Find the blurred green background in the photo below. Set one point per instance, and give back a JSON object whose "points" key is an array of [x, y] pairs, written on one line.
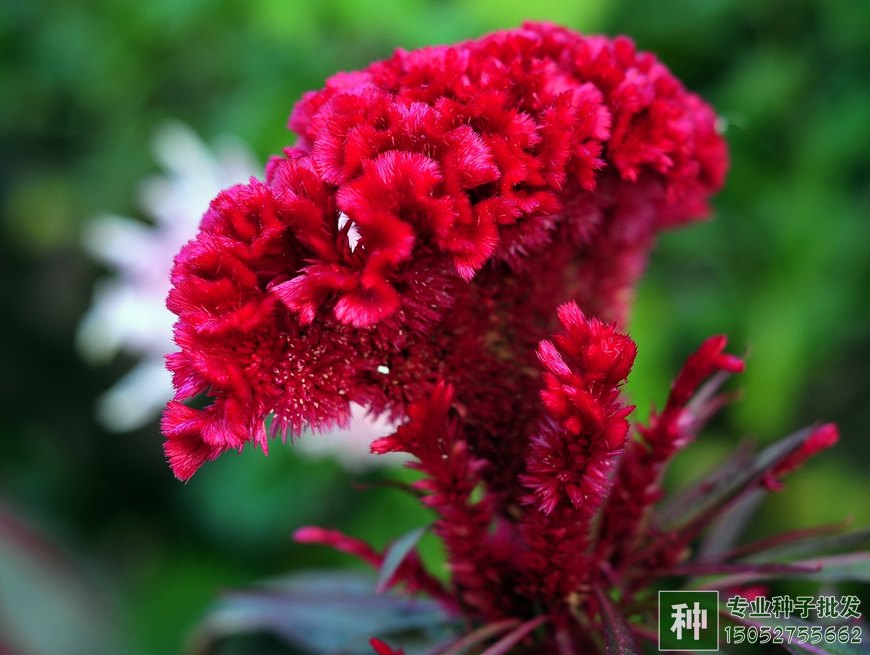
{"points": [[783, 269]]}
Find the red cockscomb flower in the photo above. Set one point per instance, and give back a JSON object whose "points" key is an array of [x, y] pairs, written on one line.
{"points": [[436, 209], [453, 242]]}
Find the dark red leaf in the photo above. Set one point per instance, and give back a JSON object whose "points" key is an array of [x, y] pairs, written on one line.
{"points": [[618, 639]]}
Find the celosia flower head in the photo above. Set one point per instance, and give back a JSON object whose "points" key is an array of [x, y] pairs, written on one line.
{"points": [[452, 244], [437, 208]]}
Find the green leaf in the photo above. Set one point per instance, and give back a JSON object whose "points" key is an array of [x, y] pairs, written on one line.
{"points": [[618, 639], [332, 612], [396, 554]]}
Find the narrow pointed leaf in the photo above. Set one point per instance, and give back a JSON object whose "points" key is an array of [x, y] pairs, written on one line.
{"points": [[671, 509], [750, 568], [723, 490], [766, 545], [818, 546], [396, 554], [479, 636], [851, 567], [507, 642], [618, 639], [725, 532], [705, 403]]}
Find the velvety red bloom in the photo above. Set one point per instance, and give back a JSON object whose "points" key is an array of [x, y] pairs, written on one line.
{"points": [[437, 208], [453, 242]]}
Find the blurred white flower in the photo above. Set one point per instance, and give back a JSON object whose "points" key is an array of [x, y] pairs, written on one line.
{"points": [[350, 446], [129, 311]]}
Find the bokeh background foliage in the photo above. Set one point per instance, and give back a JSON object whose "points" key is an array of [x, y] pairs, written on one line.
{"points": [[783, 269]]}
